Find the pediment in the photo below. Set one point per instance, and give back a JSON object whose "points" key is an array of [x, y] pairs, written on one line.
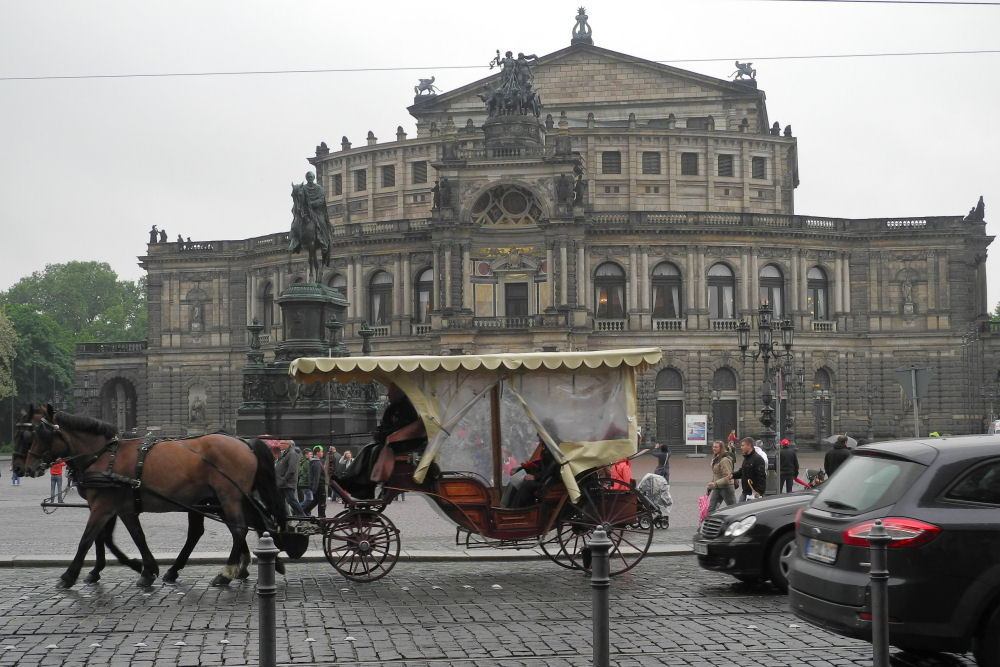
{"points": [[582, 79]]}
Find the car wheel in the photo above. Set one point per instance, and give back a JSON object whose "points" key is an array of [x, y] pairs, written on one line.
{"points": [[986, 648], [777, 560]]}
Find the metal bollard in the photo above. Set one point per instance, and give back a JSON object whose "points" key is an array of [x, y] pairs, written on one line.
{"points": [[878, 539], [266, 554], [600, 582]]}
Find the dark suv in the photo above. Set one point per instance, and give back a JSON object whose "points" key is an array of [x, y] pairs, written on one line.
{"points": [[939, 499]]}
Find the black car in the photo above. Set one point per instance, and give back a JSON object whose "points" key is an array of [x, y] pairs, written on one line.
{"points": [[939, 499], [751, 541]]}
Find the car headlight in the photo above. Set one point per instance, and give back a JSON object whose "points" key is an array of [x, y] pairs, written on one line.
{"points": [[737, 528]]}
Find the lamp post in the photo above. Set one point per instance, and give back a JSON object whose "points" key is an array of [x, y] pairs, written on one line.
{"points": [[870, 392], [767, 350]]}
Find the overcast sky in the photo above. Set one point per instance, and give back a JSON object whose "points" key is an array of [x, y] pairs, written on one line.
{"points": [[88, 164]]}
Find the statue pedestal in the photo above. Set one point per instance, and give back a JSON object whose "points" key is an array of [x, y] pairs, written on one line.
{"points": [[513, 132]]}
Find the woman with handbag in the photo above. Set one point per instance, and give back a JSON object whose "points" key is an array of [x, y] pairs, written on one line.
{"points": [[720, 489]]}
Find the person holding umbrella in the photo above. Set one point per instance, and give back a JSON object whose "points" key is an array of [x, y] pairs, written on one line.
{"points": [[836, 456]]}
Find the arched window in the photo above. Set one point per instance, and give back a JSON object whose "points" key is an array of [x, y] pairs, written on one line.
{"points": [[267, 308], [724, 379], [609, 292], [666, 291], [721, 293], [380, 299], [338, 282], [423, 301], [816, 299], [772, 289], [669, 379]]}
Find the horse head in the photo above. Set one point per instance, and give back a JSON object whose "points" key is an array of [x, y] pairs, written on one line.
{"points": [[31, 455]]}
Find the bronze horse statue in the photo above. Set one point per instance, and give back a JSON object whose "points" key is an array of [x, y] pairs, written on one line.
{"points": [[122, 478], [310, 225]]}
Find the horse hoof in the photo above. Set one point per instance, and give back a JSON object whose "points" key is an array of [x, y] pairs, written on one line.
{"points": [[66, 582], [220, 580], [243, 575], [170, 577], [92, 578]]}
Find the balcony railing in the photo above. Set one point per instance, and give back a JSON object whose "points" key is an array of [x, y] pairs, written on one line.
{"points": [[381, 331], [824, 326], [421, 329], [543, 320], [120, 347], [610, 325], [724, 325], [669, 324]]}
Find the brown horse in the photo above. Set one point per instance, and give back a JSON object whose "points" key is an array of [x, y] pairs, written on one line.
{"points": [[124, 478]]}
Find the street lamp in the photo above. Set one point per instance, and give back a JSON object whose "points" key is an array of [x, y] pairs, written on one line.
{"points": [[767, 350]]}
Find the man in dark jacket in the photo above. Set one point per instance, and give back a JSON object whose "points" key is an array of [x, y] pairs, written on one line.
{"points": [[286, 471], [317, 482], [753, 472], [836, 456], [789, 465]]}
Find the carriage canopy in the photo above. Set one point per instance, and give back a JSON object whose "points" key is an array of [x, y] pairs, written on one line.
{"points": [[479, 410]]}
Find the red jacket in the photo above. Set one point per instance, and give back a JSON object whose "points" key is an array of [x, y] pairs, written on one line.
{"points": [[56, 469]]}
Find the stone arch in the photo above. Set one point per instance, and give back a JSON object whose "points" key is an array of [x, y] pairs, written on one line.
{"points": [[118, 402], [508, 204]]}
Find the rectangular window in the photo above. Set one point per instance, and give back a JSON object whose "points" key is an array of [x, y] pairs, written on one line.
{"points": [[725, 165], [611, 162], [758, 167], [337, 184], [419, 172], [650, 162], [360, 180], [516, 299], [699, 123], [689, 164], [612, 189], [389, 176]]}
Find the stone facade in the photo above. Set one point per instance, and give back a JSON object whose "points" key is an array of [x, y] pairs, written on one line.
{"points": [[646, 206]]}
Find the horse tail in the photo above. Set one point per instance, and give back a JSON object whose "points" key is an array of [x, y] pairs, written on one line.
{"points": [[266, 485]]}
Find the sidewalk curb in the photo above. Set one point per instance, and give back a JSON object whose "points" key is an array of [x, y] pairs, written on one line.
{"points": [[315, 556]]}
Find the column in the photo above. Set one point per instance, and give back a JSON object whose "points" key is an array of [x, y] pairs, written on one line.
{"points": [[407, 288], [437, 273], [796, 281], [693, 280], [645, 280], [754, 281], [932, 282], [399, 280], [352, 305], [563, 275], [251, 297], [581, 287], [745, 271], [467, 277], [447, 276], [847, 283], [838, 292], [550, 279], [633, 280], [702, 289]]}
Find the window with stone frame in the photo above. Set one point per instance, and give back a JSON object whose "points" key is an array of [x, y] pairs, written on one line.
{"points": [[758, 167], [423, 299], [380, 299], [721, 292], [360, 180], [389, 176], [611, 162], [418, 172], [772, 289], [337, 184], [650, 162], [726, 164], [666, 296], [609, 291], [817, 291], [689, 164]]}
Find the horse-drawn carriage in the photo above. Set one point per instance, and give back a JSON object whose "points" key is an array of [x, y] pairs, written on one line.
{"points": [[475, 416]]}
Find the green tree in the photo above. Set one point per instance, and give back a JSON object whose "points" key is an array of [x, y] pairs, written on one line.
{"points": [[43, 365], [995, 315], [8, 344], [85, 299]]}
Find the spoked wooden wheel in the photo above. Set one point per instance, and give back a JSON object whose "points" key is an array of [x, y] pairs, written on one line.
{"points": [[362, 545], [625, 515], [565, 544]]}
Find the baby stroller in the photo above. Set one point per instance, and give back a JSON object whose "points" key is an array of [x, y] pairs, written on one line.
{"points": [[657, 491]]}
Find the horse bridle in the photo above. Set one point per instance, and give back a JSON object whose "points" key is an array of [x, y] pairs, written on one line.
{"points": [[47, 457]]}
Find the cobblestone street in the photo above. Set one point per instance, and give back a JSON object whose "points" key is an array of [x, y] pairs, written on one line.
{"points": [[458, 614]]}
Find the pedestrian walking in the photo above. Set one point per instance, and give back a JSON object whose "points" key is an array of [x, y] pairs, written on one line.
{"points": [[720, 488], [302, 483], [317, 483], [14, 479], [789, 466], [286, 472], [752, 472], [836, 456], [56, 481], [662, 454]]}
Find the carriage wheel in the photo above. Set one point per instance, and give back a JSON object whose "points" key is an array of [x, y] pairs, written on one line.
{"points": [[361, 544], [625, 515], [565, 545]]}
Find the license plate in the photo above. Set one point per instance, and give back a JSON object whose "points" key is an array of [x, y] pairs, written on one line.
{"points": [[701, 548], [824, 552]]}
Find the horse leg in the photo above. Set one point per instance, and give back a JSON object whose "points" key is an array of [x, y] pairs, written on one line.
{"points": [[239, 555], [95, 523], [150, 569], [196, 528], [95, 575]]}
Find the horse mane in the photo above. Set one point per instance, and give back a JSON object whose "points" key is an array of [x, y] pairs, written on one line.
{"points": [[86, 424]]}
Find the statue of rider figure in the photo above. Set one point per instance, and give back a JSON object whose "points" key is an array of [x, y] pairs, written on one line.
{"points": [[315, 200]]}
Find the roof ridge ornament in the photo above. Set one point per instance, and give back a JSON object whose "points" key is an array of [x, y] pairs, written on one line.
{"points": [[581, 31]]}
